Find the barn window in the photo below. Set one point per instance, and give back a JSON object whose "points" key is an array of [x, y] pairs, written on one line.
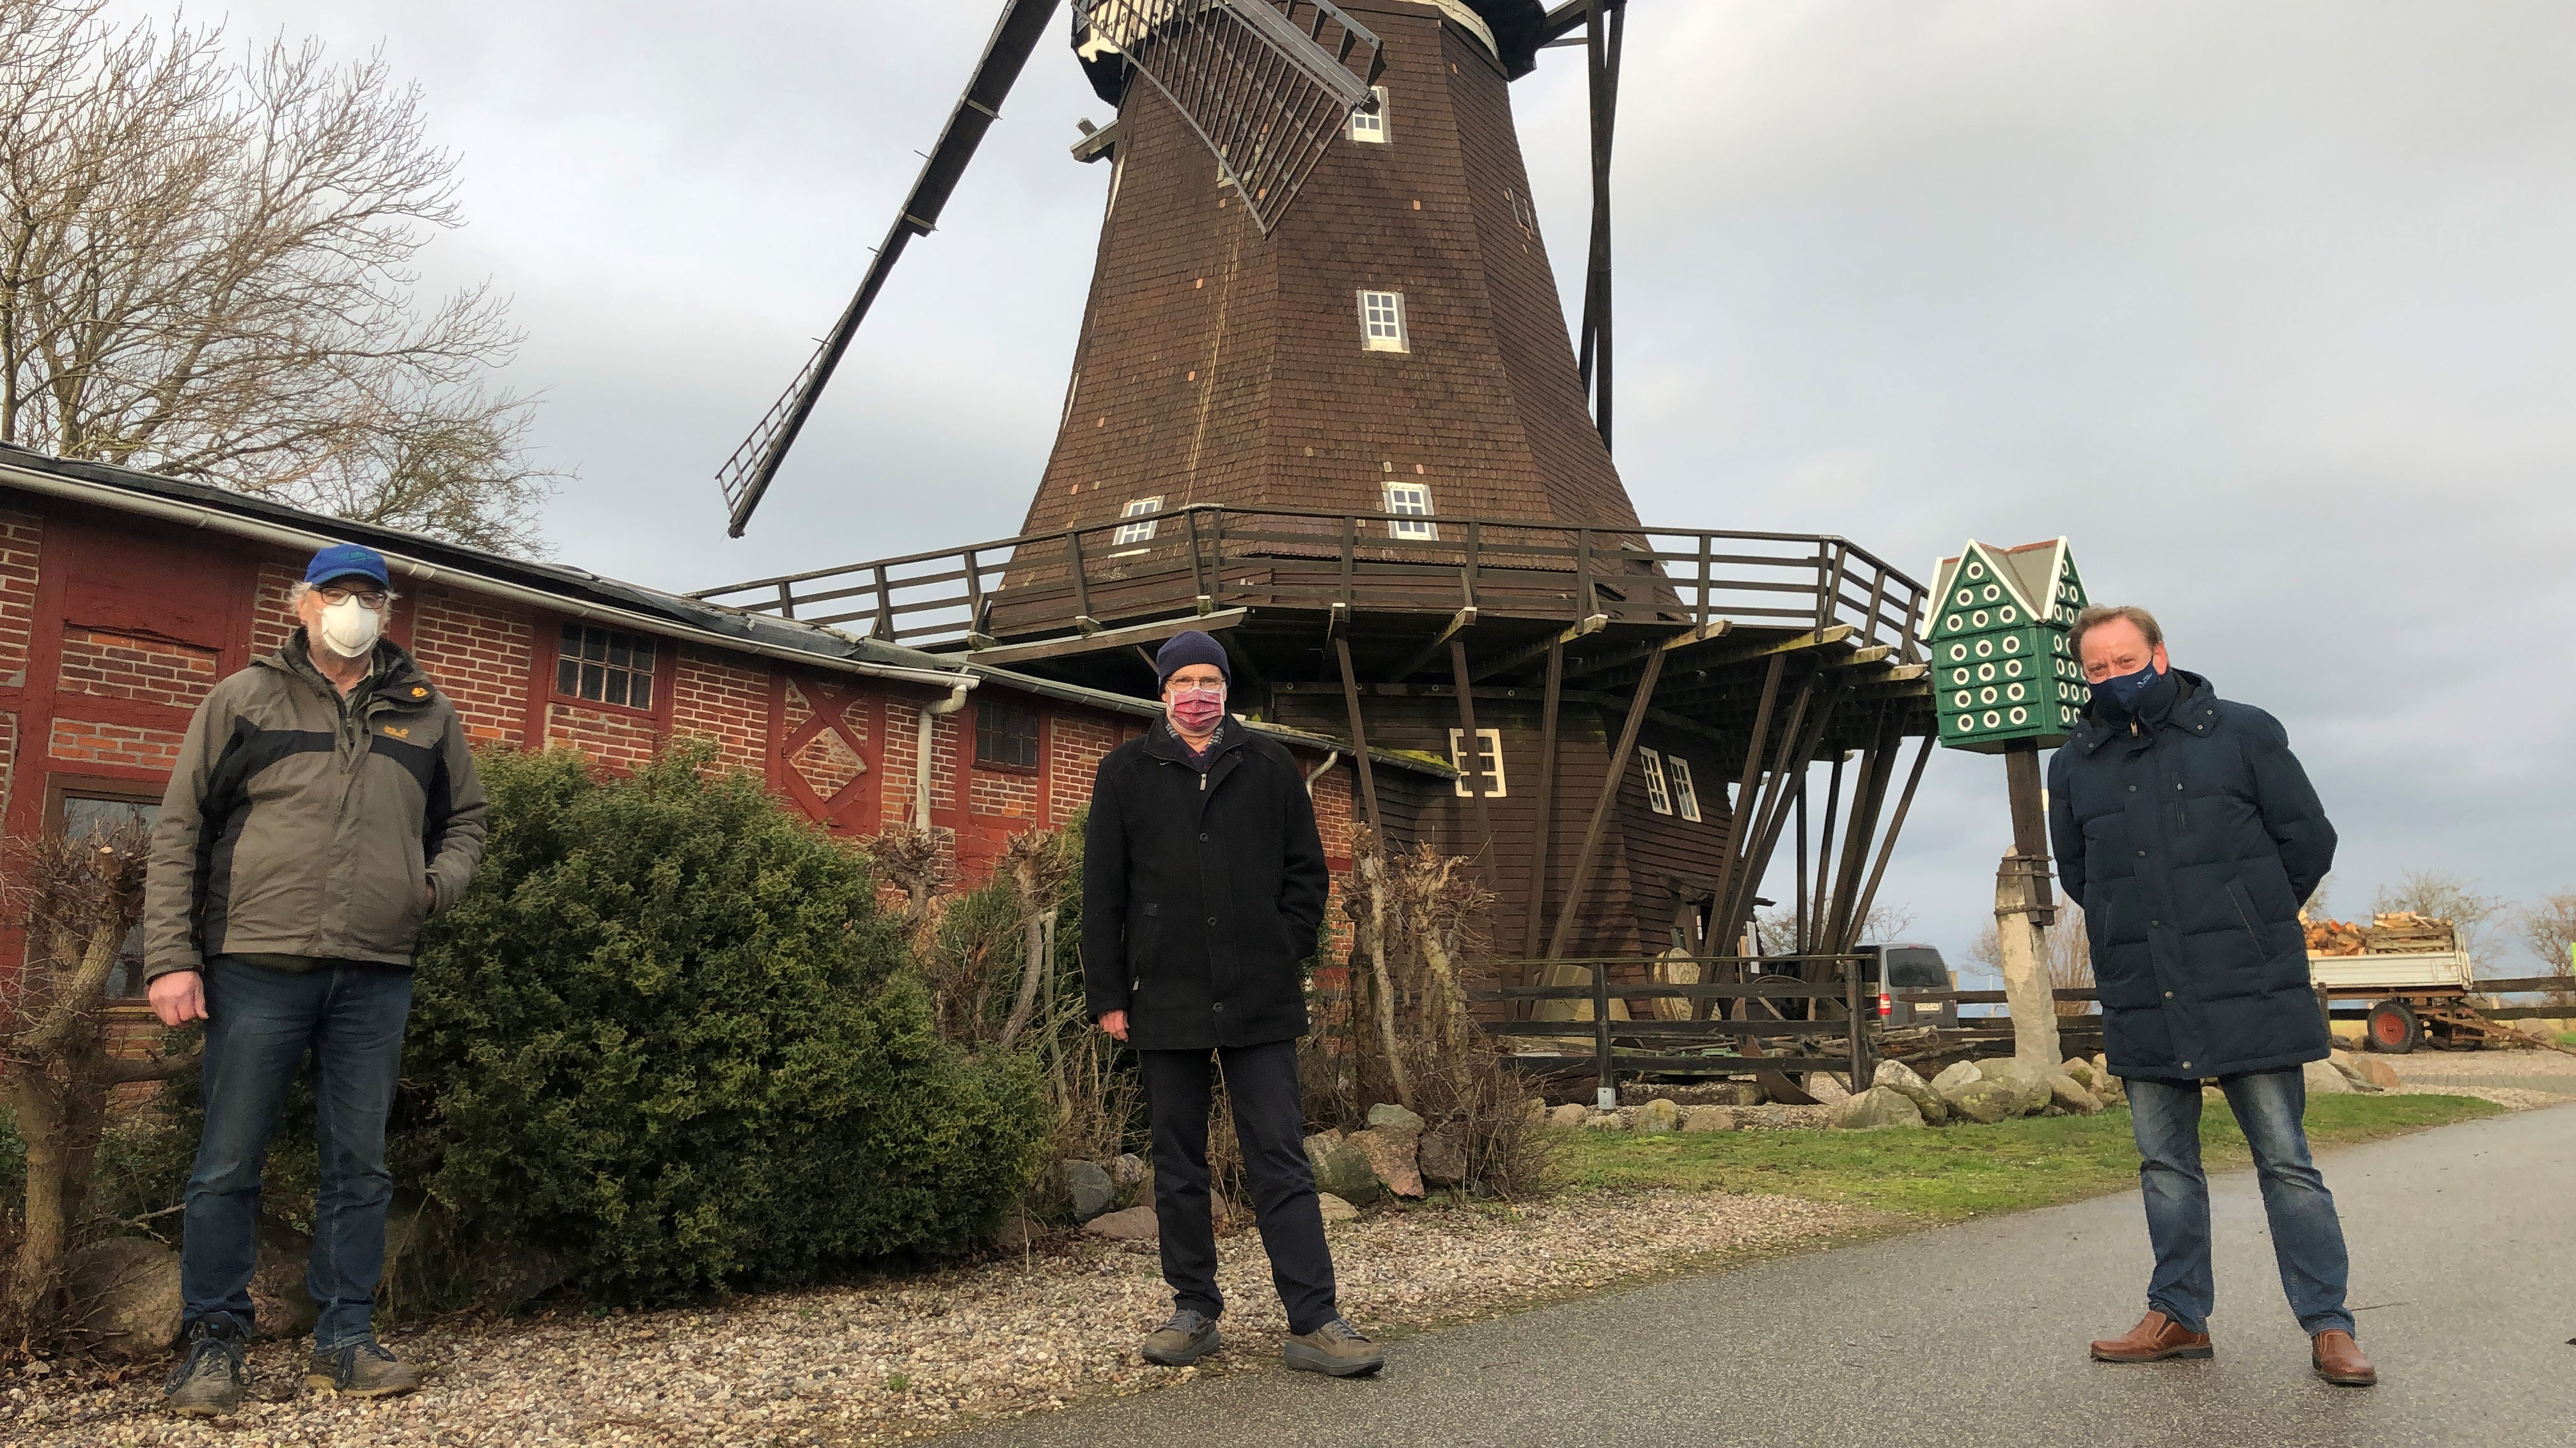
{"points": [[1685, 798], [1659, 798], [1489, 761], [1134, 533], [1371, 125], [605, 667], [1006, 735], [84, 811], [1382, 322], [1413, 502]]}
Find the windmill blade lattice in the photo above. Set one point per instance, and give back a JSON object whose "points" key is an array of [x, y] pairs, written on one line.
{"points": [[1266, 84]]}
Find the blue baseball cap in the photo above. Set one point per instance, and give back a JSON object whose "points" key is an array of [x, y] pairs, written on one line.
{"points": [[346, 560]]}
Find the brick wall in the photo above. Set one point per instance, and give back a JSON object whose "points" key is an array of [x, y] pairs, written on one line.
{"points": [[271, 620], [727, 701], [22, 535], [125, 666], [1007, 794], [1076, 744], [615, 739], [479, 654], [8, 758], [127, 746], [826, 761]]}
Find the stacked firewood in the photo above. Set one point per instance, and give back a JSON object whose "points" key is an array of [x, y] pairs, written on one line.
{"points": [[2407, 933], [2332, 937]]}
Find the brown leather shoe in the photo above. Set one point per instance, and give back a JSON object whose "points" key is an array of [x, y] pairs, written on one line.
{"points": [[2338, 1359], [2155, 1338]]}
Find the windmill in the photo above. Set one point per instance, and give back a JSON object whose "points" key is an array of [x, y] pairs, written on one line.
{"points": [[1324, 406]]}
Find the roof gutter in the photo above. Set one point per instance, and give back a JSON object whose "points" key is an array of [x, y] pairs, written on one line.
{"points": [[193, 516]]}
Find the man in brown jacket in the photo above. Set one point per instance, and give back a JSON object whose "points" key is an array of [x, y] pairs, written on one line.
{"points": [[324, 807]]}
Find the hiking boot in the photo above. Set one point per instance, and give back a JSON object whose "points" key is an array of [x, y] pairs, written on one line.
{"points": [[211, 1376], [361, 1369], [1335, 1349], [1189, 1336], [2155, 1338], [2338, 1359]]}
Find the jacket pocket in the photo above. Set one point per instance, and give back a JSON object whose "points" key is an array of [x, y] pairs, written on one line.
{"points": [[2244, 912]]}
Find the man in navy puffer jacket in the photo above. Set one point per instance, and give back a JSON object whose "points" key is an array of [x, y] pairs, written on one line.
{"points": [[2191, 837]]}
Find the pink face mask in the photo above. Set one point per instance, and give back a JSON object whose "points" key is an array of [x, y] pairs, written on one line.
{"points": [[1196, 708]]}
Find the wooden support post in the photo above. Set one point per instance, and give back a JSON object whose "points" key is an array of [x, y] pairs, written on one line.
{"points": [[1542, 831], [1824, 849], [1743, 802], [1607, 1093], [1887, 843], [1472, 752], [1359, 736], [2022, 909], [1582, 877], [1801, 833]]}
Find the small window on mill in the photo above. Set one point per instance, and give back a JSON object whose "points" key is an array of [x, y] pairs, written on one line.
{"points": [[1685, 798], [1006, 735], [605, 667], [1370, 126], [1382, 322], [1132, 534], [1413, 501], [1659, 797]]}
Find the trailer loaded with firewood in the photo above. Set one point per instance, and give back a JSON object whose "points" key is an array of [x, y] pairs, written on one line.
{"points": [[2409, 980]]}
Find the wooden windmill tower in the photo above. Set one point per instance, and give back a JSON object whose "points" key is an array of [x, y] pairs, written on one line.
{"points": [[1323, 405]]}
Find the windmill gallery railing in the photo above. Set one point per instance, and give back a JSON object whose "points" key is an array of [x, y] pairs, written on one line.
{"points": [[1207, 558], [1727, 1018]]}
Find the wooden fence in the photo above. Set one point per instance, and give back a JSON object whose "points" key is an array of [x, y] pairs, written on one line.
{"points": [[1724, 1043]]}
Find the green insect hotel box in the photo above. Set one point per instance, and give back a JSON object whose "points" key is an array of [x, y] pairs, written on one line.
{"points": [[1996, 635]]}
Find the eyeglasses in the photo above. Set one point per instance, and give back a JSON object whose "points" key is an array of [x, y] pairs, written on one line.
{"points": [[1209, 689], [370, 599]]}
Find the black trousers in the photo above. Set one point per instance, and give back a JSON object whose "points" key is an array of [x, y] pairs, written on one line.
{"points": [[1270, 1124]]}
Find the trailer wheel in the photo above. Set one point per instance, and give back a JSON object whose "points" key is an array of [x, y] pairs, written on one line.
{"points": [[2393, 1028]]}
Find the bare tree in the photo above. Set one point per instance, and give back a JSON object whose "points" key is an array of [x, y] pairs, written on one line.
{"points": [[2549, 928], [2442, 895], [206, 271]]}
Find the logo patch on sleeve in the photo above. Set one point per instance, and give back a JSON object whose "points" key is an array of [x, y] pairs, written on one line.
{"points": [[419, 693], [398, 733]]}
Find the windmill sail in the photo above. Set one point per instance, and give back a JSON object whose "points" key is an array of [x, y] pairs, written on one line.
{"points": [[745, 476], [1266, 84]]}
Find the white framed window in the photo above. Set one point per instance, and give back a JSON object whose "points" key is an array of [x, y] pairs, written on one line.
{"points": [[1130, 534], [1382, 322], [1685, 798], [1659, 797], [1370, 126], [1414, 501], [1489, 761]]}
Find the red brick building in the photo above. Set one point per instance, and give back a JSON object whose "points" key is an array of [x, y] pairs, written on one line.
{"points": [[125, 597]]}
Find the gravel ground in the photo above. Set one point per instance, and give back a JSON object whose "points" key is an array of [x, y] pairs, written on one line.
{"points": [[2519, 1079], [904, 1357]]}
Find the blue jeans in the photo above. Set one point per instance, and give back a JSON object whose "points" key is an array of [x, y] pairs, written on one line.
{"points": [[259, 1024], [2307, 1238]]}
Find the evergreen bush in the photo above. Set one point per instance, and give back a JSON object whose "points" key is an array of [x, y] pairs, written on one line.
{"points": [[669, 1039]]}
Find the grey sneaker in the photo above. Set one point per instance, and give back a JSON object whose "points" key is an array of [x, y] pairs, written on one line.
{"points": [[361, 1369], [1335, 1349], [1189, 1336], [211, 1376]]}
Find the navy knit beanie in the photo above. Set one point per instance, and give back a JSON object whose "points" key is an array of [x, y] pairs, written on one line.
{"points": [[1186, 649]]}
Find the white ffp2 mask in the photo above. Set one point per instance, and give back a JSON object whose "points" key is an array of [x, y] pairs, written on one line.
{"points": [[350, 628]]}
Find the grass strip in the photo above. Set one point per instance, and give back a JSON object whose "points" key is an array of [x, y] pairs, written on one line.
{"points": [[1951, 1173]]}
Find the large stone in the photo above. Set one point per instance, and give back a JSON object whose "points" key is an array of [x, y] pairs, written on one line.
{"points": [[2324, 1080], [2071, 1094], [126, 1290], [2378, 1073], [1877, 1107], [1444, 1157], [1394, 1158], [1015, 1232], [1334, 1208], [2110, 1090], [1129, 1170], [1533, 1110], [1087, 1188], [1827, 1088], [1388, 1117], [2029, 1084], [1136, 1224], [1709, 1118], [1985, 1102], [2080, 1070], [1954, 1076], [1342, 1167], [1659, 1115], [1572, 1113], [1899, 1077]]}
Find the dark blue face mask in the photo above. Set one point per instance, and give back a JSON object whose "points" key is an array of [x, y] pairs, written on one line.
{"points": [[2119, 695]]}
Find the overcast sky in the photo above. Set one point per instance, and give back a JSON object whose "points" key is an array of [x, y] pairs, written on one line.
{"points": [[2267, 307]]}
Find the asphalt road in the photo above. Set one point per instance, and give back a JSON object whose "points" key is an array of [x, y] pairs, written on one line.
{"points": [[2464, 1278]]}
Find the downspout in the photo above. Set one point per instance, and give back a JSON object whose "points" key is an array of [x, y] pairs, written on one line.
{"points": [[955, 701], [1330, 759]]}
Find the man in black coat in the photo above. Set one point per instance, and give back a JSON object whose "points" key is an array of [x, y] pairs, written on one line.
{"points": [[1203, 885], [2191, 837]]}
